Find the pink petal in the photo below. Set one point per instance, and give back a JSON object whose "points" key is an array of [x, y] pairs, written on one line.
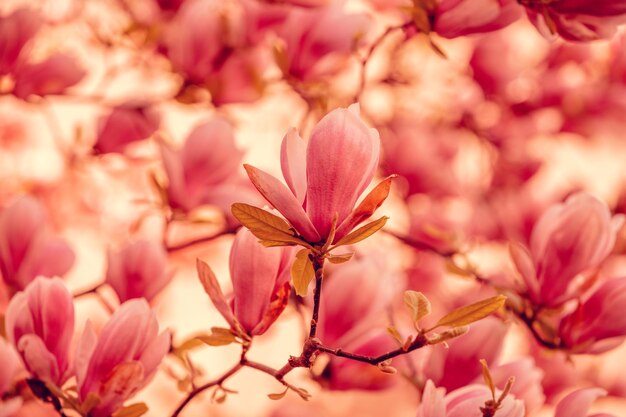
{"points": [[284, 201], [432, 404], [293, 163], [577, 403], [38, 359], [213, 290]]}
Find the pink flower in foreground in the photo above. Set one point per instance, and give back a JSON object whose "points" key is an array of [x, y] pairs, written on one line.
{"points": [[25, 249], [261, 286], [122, 360], [127, 123], [325, 177], [138, 270], [577, 20], [52, 76], [10, 366], [318, 40], [567, 244], [599, 323], [16, 30], [464, 402], [40, 324], [577, 403], [455, 18], [206, 169]]}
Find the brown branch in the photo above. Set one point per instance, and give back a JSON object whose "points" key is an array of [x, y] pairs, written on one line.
{"points": [[318, 266], [204, 239], [529, 321], [92, 290], [216, 382]]}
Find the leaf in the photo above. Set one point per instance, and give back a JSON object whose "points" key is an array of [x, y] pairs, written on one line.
{"points": [[471, 313], [395, 334], [302, 272], [264, 225], [418, 304], [369, 205], [133, 410], [304, 394], [362, 232], [218, 337], [339, 259], [274, 243], [90, 402], [277, 396]]}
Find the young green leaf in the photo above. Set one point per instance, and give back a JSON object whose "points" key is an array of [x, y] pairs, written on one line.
{"points": [[278, 395], [218, 337], [133, 410], [339, 259], [418, 304], [302, 272], [488, 379], [471, 313], [362, 232], [264, 225]]}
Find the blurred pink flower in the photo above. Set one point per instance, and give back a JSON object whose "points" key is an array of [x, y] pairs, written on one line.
{"points": [[53, 75], [25, 249], [528, 377], [126, 123], [458, 364], [261, 284], [568, 243], [206, 169], [138, 270], [464, 402], [319, 179], [10, 367], [598, 324], [40, 324], [455, 18], [577, 403], [318, 40], [16, 30], [577, 20], [122, 360]]}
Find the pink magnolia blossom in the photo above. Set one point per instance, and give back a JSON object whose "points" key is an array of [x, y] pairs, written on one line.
{"points": [[40, 324], [321, 183], [126, 123], [10, 367], [318, 40], [464, 402], [53, 75], [577, 20], [26, 250], [205, 170], [261, 286], [458, 364], [138, 270], [568, 243], [16, 30], [455, 18], [598, 324], [577, 403], [122, 360]]}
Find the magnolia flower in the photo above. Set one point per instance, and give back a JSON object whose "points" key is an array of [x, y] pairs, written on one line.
{"points": [[138, 270], [455, 18], [569, 241], [122, 360], [577, 403], [464, 402], [325, 177], [40, 324], [126, 123], [577, 20], [16, 30], [25, 249], [261, 287], [598, 324], [53, 75]]}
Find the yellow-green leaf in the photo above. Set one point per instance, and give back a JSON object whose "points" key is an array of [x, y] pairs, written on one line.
{"points": [[362, 232], [395, 334], [133, 410], [488, 379], [263, 224], [418, 304], [90, 402], [218, 337], [278, 395], [339, 259], [274, 243], [302, 272], [471, 313]]}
